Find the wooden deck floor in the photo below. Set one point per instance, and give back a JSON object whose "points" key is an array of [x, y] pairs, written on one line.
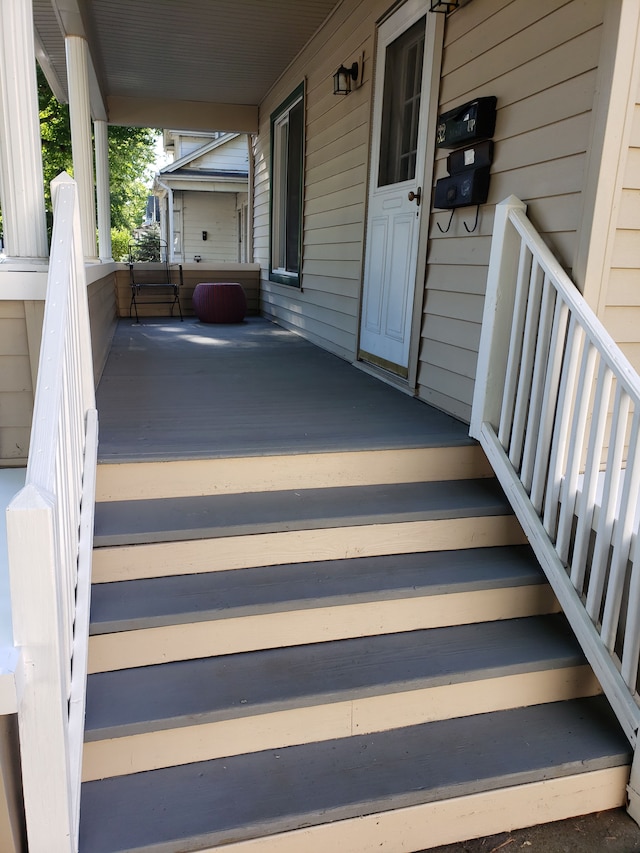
{"points": [[173, 390]]}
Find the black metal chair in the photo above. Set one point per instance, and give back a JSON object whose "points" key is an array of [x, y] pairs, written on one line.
{"points": [[149, 271]]}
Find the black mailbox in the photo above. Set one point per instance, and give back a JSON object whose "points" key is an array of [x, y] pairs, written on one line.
{"points": [[463, 189], [472, 121], [474, 157]]}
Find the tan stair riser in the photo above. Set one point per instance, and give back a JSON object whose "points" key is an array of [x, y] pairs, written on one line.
{"points": [[170, 747], [191, 640], [131, 562], [450, 821], [186, 478]]}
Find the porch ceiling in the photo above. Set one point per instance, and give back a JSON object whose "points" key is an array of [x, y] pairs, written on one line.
{"points": [[162, 58]]}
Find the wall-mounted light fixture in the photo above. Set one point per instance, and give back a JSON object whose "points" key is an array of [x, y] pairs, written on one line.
{"points": [[444, 5], [343, 77], [204, 235]]}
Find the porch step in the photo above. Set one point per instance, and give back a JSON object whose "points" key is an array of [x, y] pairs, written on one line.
{"points": [[285, 799], [158, 716], [268, 473], [248, 514], [143, 622]]}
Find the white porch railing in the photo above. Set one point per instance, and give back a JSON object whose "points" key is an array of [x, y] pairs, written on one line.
{"points": [[557, 410], [50, 531]]}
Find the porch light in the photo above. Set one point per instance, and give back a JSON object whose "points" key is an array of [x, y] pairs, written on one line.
{"points": [[444, 5], [342, 79]]}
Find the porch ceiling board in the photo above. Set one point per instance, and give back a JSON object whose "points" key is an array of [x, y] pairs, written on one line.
{"points": [[209, 54]]}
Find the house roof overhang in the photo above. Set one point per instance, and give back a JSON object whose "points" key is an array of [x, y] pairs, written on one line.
{"points": [[194, 65]]}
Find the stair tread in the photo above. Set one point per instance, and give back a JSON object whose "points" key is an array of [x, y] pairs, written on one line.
{"points": [[246, 796], [129, 605], [205, 516], [132, 701]]}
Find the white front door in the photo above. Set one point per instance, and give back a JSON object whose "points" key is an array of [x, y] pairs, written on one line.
{"points": [[401, 95]]}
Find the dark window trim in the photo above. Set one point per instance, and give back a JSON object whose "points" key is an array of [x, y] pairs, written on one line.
{"points": [[289, 278]]}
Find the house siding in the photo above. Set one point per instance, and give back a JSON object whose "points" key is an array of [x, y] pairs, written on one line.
{"points": [[16, 384], [214, 213], [540, 60], [102, 318], [621, 313], [325, 310]]}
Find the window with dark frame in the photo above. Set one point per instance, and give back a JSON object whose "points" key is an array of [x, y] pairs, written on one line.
{"points": [[287, 157]]}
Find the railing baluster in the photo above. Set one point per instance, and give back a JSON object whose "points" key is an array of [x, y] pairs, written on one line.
{"points": [[608, 504], [587, 497], [550, 399], [525, 295], [541, 355], [631, 645], [569, 487], [559, 440], [536, 304], [623, 530]]}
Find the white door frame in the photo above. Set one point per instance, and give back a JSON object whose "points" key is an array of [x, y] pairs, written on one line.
{"points": [[433, 48]]}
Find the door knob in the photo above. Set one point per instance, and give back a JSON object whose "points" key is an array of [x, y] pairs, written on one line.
{"points": [[416, 196]]}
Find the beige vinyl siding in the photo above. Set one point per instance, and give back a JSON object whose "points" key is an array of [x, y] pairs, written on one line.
{"points": [[214, 213], [102, 317], [622, 310], [16, 385], [540, 61], [232, 156], [326, 309]]}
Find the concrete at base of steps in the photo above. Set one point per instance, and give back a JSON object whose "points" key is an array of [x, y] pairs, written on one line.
{"points": [[207, 516], [246, 796], [603, 832]]}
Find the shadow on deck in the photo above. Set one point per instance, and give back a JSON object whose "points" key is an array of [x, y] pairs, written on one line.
{"points": [[173, 390]]}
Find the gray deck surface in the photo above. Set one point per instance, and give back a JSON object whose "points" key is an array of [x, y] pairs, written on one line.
{"points": [[171, 519], [129, 605], [276, 790], [173, 390], [192, 692]]}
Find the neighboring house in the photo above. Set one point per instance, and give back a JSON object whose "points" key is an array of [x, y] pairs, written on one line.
{"points": [[334, 198], [203, 197]]}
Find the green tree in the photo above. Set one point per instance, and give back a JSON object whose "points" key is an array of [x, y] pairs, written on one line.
{"points": [[131, 153]]}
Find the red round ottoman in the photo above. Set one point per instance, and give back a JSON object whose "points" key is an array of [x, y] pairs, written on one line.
{"points": [[219, 302]]}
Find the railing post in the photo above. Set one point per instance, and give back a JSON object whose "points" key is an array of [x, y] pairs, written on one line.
{"points": [[42, 703], [497, 317]]}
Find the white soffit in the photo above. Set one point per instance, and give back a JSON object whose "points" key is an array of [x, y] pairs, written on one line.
{"points": [[222, 52]]}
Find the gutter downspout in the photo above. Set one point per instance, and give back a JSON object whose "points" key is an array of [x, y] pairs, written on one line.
{"points": [[169, 192]]}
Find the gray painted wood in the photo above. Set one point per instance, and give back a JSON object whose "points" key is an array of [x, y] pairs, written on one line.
{"points": [[209, 516], [215, 802], [174, 390], [128, 605], [212, 689]]}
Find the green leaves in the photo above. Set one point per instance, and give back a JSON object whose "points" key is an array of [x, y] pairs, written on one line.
{"points": [[131, 153]]}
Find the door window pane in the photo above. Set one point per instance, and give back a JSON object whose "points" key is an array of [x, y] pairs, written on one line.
{"points": [[401, 106]]}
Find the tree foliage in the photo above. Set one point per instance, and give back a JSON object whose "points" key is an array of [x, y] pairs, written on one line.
{"points": [[131, 153]]}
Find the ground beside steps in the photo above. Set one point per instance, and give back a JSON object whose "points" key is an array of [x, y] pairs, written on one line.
{"points": [[368, 666]]}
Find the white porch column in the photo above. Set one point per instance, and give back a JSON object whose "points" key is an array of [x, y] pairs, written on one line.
{"points": [[80, 120], [21, 179], [100, 131]]}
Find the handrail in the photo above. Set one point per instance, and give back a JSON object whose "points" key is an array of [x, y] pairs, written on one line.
{"points": [[557, 410], [49, 532]]}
